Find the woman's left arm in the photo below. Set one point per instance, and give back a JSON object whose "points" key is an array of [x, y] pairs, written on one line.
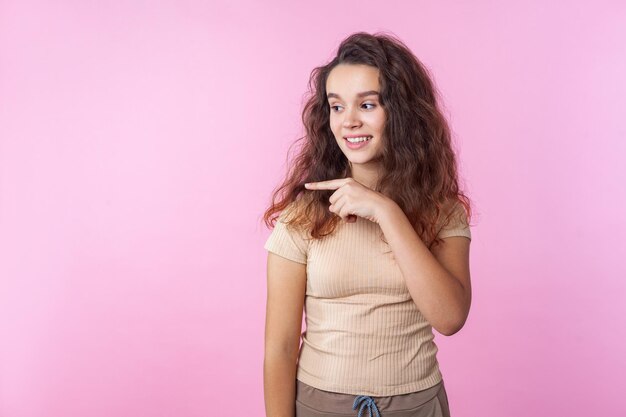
{"points": [[439, 282]]}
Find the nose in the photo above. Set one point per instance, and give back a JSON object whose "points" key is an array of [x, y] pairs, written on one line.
{"points": [[351, 118]]}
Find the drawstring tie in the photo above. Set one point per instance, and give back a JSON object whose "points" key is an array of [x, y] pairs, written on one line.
{"points": [[368, 402]]}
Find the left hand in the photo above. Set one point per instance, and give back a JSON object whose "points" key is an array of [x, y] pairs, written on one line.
{"points": [[352, 199]]}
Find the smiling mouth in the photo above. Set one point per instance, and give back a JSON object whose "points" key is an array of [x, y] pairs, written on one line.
{"points": [[358, 139], [359, 142]]}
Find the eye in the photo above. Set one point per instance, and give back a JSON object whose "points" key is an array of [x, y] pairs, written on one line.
{"points": [[365, 104]]}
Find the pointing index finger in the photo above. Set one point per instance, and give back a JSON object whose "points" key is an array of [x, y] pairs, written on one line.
{"points": [[326, 185]]}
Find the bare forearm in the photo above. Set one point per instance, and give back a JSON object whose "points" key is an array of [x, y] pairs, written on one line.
{"points": [[437, 294], [279, 380]]}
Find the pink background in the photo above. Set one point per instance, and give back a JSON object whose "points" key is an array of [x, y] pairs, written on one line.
{"points": [[139, 144]]}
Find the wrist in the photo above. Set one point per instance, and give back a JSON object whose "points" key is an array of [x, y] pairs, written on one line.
{"points": [[386, 209]]}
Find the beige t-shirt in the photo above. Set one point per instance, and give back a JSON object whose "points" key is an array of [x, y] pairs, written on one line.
{"points": [[364, 334]]}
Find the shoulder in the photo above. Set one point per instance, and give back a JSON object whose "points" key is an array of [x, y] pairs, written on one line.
{"points": [[294, 220], [292, 210], [453, 211]]}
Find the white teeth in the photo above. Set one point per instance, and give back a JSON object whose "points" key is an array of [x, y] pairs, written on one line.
{"points": [[361, 139]]}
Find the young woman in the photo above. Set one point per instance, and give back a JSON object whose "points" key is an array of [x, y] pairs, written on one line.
{"points": [[371, 240]]}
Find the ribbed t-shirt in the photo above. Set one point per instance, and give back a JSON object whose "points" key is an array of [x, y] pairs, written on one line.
{"points": [[364, 334]]}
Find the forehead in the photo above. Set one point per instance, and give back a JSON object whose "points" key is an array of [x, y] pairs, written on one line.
{"points": [[347, 80]]}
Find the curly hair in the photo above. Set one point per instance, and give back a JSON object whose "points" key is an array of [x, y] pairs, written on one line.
{"points": [[419, 168]]}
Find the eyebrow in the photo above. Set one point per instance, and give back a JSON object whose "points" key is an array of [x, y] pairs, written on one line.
{"points": [[361, 94]]}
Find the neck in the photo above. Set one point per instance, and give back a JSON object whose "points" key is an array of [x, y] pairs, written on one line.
{"points": [[367, 175]]}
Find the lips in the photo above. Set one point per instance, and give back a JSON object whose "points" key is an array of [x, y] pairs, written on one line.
{"points": [[358, 145]]}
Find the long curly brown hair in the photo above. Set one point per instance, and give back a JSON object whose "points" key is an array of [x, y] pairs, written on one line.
{"points": [[419, 168]]}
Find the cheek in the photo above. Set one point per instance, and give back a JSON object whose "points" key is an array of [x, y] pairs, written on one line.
{"points": [[380, 120], [335, 127]]}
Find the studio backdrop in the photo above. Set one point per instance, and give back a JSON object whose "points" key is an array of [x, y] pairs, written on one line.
{"points": [[139, 146]]}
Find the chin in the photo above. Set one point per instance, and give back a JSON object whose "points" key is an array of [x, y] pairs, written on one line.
{"points": [[362, 160]]}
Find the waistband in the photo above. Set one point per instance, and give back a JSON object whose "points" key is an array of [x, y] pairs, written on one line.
{"points": [[334, 402]]}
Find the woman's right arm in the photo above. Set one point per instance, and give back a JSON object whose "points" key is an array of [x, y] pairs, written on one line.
{"points": [[286, 288]]}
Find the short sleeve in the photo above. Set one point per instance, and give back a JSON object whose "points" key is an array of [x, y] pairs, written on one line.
{"points": [[457, 224], [287, 242]]}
